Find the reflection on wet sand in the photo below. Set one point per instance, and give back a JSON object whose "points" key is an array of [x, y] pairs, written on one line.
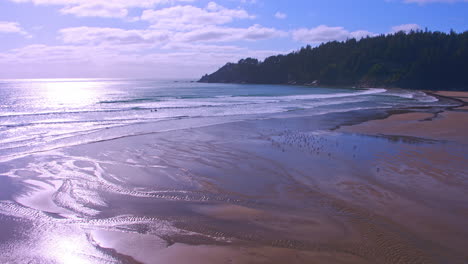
{"points": [[247, 192]]}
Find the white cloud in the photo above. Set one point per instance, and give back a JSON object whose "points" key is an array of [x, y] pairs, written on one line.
{"points": [[31, 53], [227, 34], [191, 47], [249, 1], [405, 28], [112, 36], [95, 10], [102, 61], [151, 38], [280, 15], [175, 38], [100, 8], [127, 3], [189, 17], [324, 33], [12, 27]]}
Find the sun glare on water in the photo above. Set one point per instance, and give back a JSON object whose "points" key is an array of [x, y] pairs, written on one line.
{"points": [[70, 93]]}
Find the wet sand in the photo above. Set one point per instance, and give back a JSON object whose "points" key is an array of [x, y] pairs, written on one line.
{"points": [[296, 190], [447, 125], [463, 96]]}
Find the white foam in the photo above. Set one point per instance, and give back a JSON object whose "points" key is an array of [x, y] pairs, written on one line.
{"points": [[416, 95]]}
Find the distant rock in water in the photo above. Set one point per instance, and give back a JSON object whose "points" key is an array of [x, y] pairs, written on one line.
{"points": [[417, 60]]}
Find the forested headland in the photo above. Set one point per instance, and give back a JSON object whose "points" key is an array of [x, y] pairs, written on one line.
{"points": [[415, 60]]}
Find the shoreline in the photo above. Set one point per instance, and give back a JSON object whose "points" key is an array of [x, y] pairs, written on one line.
{"points": [[443, 125], [349, 86], [258, 191]]}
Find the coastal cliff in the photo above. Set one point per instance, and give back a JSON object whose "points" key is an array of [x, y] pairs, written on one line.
{"points": [[415, 60]]}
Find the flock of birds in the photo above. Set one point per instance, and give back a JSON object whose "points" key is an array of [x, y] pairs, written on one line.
{"points": [[313, 144], [306, 142]]}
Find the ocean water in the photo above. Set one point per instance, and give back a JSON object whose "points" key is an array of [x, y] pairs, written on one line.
{"points": [[43, 114]]}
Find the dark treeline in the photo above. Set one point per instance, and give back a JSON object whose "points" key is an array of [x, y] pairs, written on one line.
{"points": [[416, 60]]}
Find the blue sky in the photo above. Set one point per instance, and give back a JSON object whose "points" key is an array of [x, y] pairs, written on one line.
{"points": [[187, 38]]}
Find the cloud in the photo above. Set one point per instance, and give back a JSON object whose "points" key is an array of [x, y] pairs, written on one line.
{"points": [[12, 27], [100, 8], [111, 36], [324, 33], [127, 3], [280, 15], [101, 61], [191, 47], [96, 10], [405, 28], [228, 34], [249, 2], [150, 38], [31, 53], [189, 17], [175, 37], [179, 29]]}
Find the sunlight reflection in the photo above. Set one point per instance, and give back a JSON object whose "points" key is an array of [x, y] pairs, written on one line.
{"points": [[68, 251], [72, 247], [70, 93]]}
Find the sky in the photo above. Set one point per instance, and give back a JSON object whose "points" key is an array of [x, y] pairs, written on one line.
{"points": [[188, 38]]}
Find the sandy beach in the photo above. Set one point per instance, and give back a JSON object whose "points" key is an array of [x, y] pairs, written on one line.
{"points": [[444, 125], [385, 188]]}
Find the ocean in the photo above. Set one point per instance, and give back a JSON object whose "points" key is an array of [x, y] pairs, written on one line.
{"points": [[43, 114]]}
